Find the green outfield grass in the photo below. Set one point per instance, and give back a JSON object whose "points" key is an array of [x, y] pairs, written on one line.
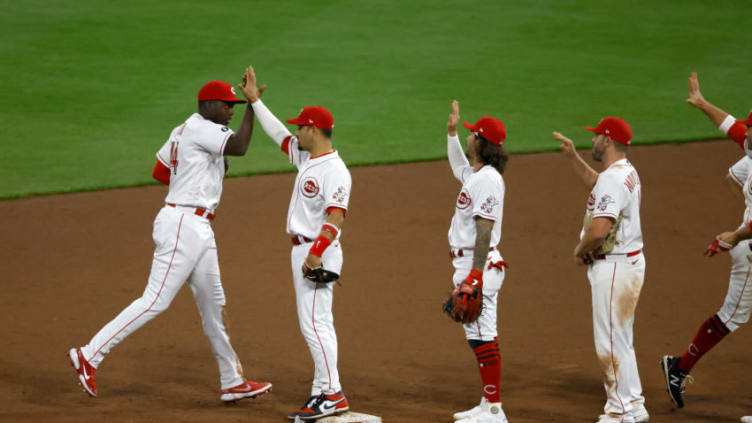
{"points": [[91, 89]]}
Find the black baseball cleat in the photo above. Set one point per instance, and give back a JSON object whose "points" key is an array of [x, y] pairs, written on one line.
{"points": [[675, 379], [321, 406]]}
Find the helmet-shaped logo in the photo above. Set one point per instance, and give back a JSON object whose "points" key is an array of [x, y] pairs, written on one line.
{"points": [[463, 200]]}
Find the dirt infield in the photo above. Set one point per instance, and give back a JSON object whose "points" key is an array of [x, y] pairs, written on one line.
{"points": [[72, 262]]}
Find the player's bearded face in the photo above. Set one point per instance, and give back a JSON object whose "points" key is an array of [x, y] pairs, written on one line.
{"points": [[599, 147]]}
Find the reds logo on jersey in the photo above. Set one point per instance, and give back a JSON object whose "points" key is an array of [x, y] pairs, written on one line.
{"points": [[591, 202], [309, 187], [463, 200]]}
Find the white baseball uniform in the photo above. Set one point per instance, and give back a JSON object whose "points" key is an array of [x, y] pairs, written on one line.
{"points": [[185, 246], [737, 306], [616, 280], [323, 182], [482, 195]]}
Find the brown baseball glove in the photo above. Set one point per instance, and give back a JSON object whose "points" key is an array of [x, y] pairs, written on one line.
{"points": [[465, 303]]}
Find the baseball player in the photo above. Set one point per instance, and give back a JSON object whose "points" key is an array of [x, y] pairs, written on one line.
{"points": [[474, 234], [737, 306], [192, 163], [315, 216], [611, 246]]}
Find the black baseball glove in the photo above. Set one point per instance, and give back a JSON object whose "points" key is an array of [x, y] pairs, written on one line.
{"points": [[319, 274]]}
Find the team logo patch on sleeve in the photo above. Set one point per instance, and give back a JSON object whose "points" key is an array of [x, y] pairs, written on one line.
{"points": [[225, 129], [605, 201], [463, 200], [591, 201], [489, 205], [309, 187], [340, 195]]}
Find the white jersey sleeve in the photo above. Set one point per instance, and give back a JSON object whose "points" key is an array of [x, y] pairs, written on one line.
{"points": [[337, 184], [460, 166], [741, 170], [212, 138], [609, 196], [487, 197]]}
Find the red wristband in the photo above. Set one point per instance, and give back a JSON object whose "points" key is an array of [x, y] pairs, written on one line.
{"points": [[750, 226], [318, 247], [475, 274]]}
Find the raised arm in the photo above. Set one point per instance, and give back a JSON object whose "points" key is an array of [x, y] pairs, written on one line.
{"points": [[456, 156], [695, 99], [273, 127], [238, 143], [586, 173]]}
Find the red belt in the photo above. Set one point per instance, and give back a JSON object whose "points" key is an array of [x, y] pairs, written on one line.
{"points": [[299, 240], [460, 252], [199, 211], [603, 256]]}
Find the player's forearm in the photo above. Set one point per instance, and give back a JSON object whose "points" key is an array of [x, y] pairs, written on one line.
{"points": [[594, 236], [456, 156], [244, 133], [588, 243], [483, 228], [275, 129], [713, 113], [586, 173], [743, 234]]}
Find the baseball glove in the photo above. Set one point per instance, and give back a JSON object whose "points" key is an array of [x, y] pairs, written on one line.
{"points": [[319, 274], [465, 303]]}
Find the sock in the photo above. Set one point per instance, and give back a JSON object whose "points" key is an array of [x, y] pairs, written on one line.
{"points": [[710, 333], [489, 365]]}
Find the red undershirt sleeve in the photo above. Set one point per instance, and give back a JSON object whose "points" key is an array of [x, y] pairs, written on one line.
{"points": [[161, 173]]}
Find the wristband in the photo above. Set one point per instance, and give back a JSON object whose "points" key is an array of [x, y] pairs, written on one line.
{"points": [[475, 274], [328, 227], [318, 247]]}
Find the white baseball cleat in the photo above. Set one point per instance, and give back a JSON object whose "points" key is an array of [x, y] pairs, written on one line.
{"points": [[640, 414], [616, 418], [747, 419], [488, 412], [471, 412]]}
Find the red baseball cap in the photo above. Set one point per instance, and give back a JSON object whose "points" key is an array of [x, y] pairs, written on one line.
{"points": [[747, 121], [218, 90], [316, 116], [490, 128], [615, 128]]}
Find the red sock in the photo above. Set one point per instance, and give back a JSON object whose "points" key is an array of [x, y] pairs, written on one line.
{"points": [[489, 364], [710, 333]]}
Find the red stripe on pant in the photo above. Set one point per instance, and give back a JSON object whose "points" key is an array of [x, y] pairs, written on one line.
{"points": [[313, 322], [169, 266], [611, 331]]}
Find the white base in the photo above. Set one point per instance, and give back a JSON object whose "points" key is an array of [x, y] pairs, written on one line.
{"points": [[350, 417]]}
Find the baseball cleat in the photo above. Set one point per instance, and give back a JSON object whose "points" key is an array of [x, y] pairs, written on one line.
{"points": [[489, 412], [747, 419], [247, 389], [86, 373], [640, 414], [675, 379], [321, 406], [471, 412], [615, 418]]}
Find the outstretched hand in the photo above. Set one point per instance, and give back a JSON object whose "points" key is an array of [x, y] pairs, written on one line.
{"points": [[248, 86], [695, 96], [454, 119], [567, 146]]}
